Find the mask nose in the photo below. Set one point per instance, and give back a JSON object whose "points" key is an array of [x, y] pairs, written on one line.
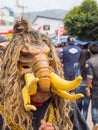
{"points": [[42, 71]]}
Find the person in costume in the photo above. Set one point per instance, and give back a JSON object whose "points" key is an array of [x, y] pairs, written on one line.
{"points": [[33, 92]]}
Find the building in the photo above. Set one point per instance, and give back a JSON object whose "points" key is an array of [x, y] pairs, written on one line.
{"points": [[47, 25], [6, 16]]}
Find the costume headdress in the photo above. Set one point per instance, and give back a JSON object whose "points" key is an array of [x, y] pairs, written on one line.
{"points": [[20, 80]]}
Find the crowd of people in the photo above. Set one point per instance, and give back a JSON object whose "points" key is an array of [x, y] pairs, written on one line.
{"points": [[30, 96], [82, 60]]}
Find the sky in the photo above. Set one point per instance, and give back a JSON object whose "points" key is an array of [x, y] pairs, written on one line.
{"points": [[40, 5]]}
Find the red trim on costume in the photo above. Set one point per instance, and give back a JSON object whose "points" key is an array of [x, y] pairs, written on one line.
{"points": [[37, 104]]}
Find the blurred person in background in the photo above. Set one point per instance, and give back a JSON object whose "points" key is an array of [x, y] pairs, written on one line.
{"points": [[70, 55], [60, 50], [80, 69], [92, 82]]}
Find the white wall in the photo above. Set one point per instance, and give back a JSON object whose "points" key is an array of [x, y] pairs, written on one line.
{"points": [[54, 24]]}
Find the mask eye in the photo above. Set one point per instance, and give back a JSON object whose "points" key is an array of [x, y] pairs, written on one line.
{"points": [[25, 67]]}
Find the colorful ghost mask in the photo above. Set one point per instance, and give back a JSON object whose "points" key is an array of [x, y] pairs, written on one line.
{"points": [[31, 71], [36, 64]]}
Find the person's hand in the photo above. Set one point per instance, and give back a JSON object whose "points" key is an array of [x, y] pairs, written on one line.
{"points": [[88, 93], [46, 126]]}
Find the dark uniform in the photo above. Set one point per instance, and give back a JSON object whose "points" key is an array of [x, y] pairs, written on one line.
{"points": [[92, 72], [71, 54]]}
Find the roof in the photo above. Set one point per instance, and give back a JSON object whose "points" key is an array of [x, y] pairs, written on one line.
{"points": [[9, 10], [45, 17]]}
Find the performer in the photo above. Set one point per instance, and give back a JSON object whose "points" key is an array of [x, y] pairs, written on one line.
{"points": [[33, 93]]}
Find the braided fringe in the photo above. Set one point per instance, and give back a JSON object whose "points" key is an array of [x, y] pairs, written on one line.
{"points": [[58, 115]]}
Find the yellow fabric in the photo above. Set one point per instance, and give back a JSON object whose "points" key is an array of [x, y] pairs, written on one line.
{"points": [[50, 114]]}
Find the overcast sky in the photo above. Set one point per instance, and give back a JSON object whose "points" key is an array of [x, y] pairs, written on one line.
{"points": [[41, 5]]}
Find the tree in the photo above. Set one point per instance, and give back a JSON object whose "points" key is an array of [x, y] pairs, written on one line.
{"points": [[82, 21]]}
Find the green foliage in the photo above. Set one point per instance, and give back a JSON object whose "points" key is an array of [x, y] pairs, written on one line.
{"points": [[82, 21]]}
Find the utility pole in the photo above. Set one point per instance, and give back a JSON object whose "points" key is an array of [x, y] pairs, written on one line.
{"points": [[20, 6]]}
